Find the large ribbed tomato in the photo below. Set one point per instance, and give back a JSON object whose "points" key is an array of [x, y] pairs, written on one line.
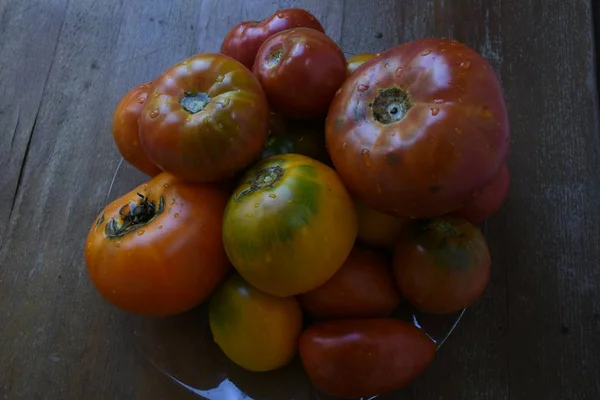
{"points": [[417, 130], [205, 118]]}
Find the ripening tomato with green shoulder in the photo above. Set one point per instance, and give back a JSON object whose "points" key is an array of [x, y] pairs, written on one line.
{"points": [[255, 330], [125, 129], [363, 287], [290, 225], [361, 358], [442, 265], [357, 60], [418, 130], [205, 119], [157, 250]]}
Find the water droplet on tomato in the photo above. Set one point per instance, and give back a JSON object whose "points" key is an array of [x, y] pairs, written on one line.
{"points": [[154, 113], [184, 63], [140, 233], [160, 227], [255, 205], [156, 94], [272, 195], [465, 64], [439, 101], [386, 65], [141, 100], [188, 119], [399, 71], [366, 157], [425, 53], [289, 201], [219, 78], [306, 47], [344, 145], [172, 201], [176, 215], [435, 111], [458, 131], [118, 243], [205, 119], [280, 15], [224, 103], [362, 88], [165, 185], [249, 215]]}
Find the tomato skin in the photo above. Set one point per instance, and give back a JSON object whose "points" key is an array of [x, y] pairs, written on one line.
{"points": [[256, 330], [357, 60], [491, 198], [198, 141], [290, 225], [300, 70], [354, 358], [125, 129], [376, 228], [363, 287], [442, 265], [130, 270], [243, 40], [417, 130]]}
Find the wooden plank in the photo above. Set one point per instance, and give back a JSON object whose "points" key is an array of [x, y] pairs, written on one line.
{"points": [[60, 339]]}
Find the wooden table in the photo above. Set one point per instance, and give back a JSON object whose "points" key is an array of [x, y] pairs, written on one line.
{"points": [[65, 64]]}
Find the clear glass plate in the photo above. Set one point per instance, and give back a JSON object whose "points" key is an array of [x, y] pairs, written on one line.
{"points": [[181, 347]]}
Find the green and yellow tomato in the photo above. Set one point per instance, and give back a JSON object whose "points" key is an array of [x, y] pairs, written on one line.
{"points": [[290, 225], [255, 330]]}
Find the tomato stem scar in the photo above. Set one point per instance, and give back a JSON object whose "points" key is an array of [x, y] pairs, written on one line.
{"points": [[391, 105], [194, 102], [265, 178], [274, 57], [132, 216]]}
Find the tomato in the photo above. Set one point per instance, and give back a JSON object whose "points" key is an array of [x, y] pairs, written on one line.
{"points": [[376, 228], [355, 358], [489, 200], [125, 129], [417, 130], [293, 136], [363, 287], [243, 40], [157, 250], [206, 118], [357, 60], [256, 330], [442, 265], [300, 70], [290, 225]]}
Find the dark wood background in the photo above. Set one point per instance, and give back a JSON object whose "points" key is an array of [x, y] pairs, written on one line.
{"points": [[65, 64]]}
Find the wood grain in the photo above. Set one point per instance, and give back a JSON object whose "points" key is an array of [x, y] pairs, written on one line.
{"points": [[65, 64]]}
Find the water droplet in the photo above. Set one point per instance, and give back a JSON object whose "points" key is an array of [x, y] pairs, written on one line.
{"points": [[366, 157], [306, 47], [458, 131], [165, 185], [256, 205], [154, 113], [272, 195], [362, 88], [344, 145], [289, 201], [439, 101], [224, 103], [378, 188], [188, 119], [118, 243], [399, 71], [249, 215], [220, 78], [465, 64], [205, 119], [156, 94], [435, 111], [140, 233], [142, 100], [280, 15], [338, 91], [184, 63], [160, 227], [426, 53], [386, 65], [172, 201], [176, 215]]}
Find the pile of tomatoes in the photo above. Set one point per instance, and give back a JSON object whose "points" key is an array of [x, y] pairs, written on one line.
{"points": [[304, 197]]}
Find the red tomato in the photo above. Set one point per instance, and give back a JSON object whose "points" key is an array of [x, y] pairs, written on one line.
{"points": [[125, 129], [355, 358], [363, 287], [442, 265], [417, 130], [491, 198], [157, 250], [243, 40], [376, 228], [300, 70], [357, 60], [206, 119]]}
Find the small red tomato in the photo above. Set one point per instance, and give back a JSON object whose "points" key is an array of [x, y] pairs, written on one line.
{"points": [[354, 358], [125, 129], [442, 265], [357, 60], [300, 71], [205, 119], [363, 287], [489, 200], [376, 228], [243, 40]]}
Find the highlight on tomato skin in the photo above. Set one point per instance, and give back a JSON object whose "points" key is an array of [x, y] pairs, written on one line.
{"points": [[125, 129], [361, 358], [157, 250], [442, 265], [243, 40]]}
